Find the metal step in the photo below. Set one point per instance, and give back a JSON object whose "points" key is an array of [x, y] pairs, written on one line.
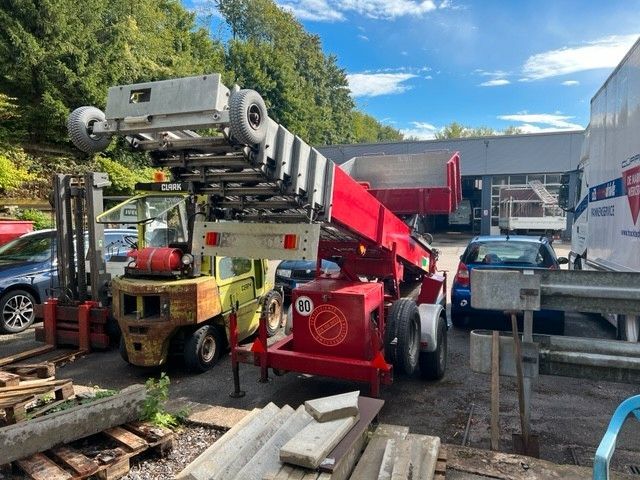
{"points": [[542, 193]]}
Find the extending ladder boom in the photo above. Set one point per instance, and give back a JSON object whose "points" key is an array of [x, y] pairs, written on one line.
{"points": [[256, 171]]}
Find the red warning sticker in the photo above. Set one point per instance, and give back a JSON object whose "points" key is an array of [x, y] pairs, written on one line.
{"points": [[328, 325]]}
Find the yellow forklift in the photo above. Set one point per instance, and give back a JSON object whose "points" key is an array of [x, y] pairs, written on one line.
{"points": [[172, 301]]}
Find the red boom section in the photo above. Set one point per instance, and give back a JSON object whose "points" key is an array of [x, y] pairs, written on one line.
{"points": [[354, 209], [440, 200]]}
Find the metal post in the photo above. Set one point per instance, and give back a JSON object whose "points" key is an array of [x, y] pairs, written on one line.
{"points": [[495, 391], [235, 366], [262, 336], [94, 183]]}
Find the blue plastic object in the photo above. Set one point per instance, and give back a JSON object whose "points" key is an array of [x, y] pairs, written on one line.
{"points": [[608, 443]]}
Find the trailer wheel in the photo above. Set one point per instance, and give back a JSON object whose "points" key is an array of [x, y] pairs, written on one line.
{"points": [[80, 128], [628, 328], [202, 348], [402, 336], [247, 117], [122, 348], [434, 364], [272, 303]]}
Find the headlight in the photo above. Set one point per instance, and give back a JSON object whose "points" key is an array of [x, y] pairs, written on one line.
{"points": [[283, 273], [187, 259]]}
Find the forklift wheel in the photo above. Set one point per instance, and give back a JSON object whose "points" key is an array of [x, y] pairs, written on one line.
{"points": [[123, 350], [402, 336], [434, 364], [247, 117], [272, 303], [202, 348]]}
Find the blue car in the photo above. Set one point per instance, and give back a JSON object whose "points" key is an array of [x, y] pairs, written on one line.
{"points": [[291, 273], [503, 252], [28, 273]]}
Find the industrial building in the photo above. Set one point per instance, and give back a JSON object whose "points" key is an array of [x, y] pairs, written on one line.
{"points": [[489, 164]]}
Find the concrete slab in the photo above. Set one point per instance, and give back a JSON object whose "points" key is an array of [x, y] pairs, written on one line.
{"points": [[220, 453], [388, 457], [247, 451], [312, 444], [369, 463], [334, 407], [430, 448], [265, 462], [207, 415], [405, 455]]}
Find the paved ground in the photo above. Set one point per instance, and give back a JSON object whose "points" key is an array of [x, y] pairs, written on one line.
{"points": [[570, 415]]}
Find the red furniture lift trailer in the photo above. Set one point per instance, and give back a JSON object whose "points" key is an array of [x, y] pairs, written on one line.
{"points": [[270, 195]]}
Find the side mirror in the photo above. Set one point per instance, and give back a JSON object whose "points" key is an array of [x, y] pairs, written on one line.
{"points": [[563, 260]]}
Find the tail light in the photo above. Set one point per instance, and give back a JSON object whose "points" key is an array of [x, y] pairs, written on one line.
{"points": [[462, 275]]}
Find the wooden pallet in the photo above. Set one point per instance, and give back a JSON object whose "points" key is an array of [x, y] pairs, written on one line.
{"points": [[28, 371], [18, 394], [441, 466], [75, 462]]}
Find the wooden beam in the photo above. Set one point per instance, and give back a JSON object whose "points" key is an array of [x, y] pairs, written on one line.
{"points": [[495, 391], [26, 354], [40, 434]]}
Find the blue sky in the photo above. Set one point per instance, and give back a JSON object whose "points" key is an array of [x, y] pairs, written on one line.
{"points": [[420, 64]]}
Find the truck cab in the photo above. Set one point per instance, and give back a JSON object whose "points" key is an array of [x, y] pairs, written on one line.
{"points": [[172, 301]]}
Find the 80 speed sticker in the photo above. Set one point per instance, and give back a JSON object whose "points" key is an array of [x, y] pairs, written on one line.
{"points": [[304, 306]]}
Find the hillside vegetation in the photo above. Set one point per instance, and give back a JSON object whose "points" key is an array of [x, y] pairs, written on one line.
{"points": [[57, 55]]}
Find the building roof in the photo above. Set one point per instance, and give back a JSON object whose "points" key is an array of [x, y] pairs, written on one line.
{"points": [[497, 155]]}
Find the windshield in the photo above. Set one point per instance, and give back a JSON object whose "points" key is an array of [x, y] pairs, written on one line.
{"points": [[36, 248], [509, 253], [163, 217]]}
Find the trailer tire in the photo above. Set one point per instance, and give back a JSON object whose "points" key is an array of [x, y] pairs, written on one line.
{"points": [[79, 126], [202, 348], [122, 348], [434, 364], [272, 302], [403, 324], [247, 117]]}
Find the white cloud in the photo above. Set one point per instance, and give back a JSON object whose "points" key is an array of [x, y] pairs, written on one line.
{"points": [[496, 82], [363, 37], [605, 52], [541, 122], [375, 84], [421, 131], [570, 83], [313, 10], [334, 10]]}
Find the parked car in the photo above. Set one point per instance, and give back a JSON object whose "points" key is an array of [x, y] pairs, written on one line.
{"points": [[503, 252], [28, 271], [291, 273]]}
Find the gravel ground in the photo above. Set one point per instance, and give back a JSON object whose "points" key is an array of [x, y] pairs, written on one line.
{"points": [[189, 442]]}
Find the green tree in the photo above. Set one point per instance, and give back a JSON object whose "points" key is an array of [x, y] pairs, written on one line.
{"points": [[60, 54], [457, 130], [367, 129]]}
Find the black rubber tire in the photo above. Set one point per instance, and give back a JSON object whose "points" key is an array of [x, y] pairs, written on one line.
{"points": [[22, 303], [272, 301], [403, 323], [196, 357], [247, 117], [434, 364], [78, 126], [122, 348]]}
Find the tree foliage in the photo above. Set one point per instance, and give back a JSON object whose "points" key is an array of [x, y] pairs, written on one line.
{"points": [[457, 130]]}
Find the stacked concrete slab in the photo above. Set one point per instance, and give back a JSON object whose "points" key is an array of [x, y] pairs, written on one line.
{"points": [[395, 454], [286, 444]]}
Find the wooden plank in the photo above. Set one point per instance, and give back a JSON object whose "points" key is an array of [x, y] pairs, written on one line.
{"points": [[116, 470], [40, 370], [151, 433], [26, 354], [130, 440], [18, 411], [495, 391], [44, 409], [40, 434], [39, 467], [9, 379], [32, 384], [83, 466]]}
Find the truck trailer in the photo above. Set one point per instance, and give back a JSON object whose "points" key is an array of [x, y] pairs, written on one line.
{"points": [[606, 199]]}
